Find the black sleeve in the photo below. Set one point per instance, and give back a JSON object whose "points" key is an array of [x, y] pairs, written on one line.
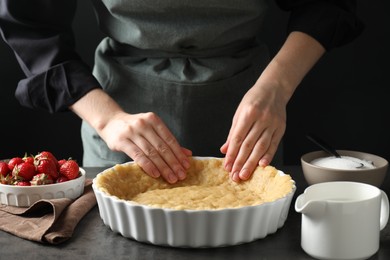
{"points": [[40, 34], [333, 23]]}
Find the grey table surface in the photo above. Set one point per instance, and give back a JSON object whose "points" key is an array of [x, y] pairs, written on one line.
{"points": [[93, 240]]}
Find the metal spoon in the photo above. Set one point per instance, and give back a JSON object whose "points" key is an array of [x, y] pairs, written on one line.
{"points": [[327, 147]]}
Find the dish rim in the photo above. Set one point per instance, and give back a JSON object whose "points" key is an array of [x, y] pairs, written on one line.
{"points": [[133, 203], [33, 187]]}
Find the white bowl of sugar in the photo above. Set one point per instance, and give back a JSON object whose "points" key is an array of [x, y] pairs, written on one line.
{"points": [[319, 166]]}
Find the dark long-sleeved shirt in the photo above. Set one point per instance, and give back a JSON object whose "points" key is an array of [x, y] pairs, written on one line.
{"points": [[40, 34]]}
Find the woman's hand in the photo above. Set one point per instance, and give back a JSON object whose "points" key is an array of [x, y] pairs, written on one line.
{"points": [[260, 120], [146, 139], [143, 137], [258, 126]]}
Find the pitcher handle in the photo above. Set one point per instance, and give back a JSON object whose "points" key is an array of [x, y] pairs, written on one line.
{"points": [[384, 217]]}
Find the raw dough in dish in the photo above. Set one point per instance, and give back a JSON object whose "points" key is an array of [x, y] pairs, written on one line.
{"points": [[207, 187]]}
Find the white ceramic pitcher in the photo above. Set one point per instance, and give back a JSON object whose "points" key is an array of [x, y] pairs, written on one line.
{"points": [[342, 220]]}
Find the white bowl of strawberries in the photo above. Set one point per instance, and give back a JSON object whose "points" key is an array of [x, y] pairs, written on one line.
{"points": [[25, 180]]}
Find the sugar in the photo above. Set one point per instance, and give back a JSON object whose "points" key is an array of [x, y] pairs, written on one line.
{"points": [[343, 163]]}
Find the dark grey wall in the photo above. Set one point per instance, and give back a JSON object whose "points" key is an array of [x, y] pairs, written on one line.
{"points": [[342, 99], [25, 130], [345, 97]]}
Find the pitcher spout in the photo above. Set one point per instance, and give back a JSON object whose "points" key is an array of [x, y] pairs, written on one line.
{"points": [[310, 207]]}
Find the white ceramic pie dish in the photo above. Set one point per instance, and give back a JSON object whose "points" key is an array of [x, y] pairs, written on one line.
{"points": [[192, 228], [25, 196]]}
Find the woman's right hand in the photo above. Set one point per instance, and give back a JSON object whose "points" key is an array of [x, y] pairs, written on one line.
{"points": [[146, 139], [143, 137]]}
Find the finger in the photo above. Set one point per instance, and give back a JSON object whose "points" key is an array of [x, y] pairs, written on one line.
{"points": [[225, 147], [235, 177], [140, 158], [247, 151], [146, 149], [161, 154], [237, 138], [150, 145], [266, 159], [186, 151], [258, 152], [161, 147], [170, 150]]}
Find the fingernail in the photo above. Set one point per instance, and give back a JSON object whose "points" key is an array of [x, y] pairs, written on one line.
{"points": [[181, 174], [244, 174], [172, 178], [228, 167], [236, 178], [263, 162], [156, 173], [186, 164]]}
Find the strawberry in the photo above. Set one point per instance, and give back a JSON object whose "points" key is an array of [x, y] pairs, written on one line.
{"points": [[14, 161], [6, 180], [23, 183], [24, 171], [62, 178], [4, 169], [29, 159], [47, 166], [70, 169], [41, 179], [49, 156], [61, 162]]}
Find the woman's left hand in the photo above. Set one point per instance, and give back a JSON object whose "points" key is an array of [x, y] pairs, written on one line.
{"points": [[257, 129], [260, 120]]}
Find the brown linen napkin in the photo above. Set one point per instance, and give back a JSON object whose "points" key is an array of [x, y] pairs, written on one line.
{"points": [[48, 221]]}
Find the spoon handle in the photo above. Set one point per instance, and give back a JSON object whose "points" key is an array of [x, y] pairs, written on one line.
{"points": [[325, 146]]}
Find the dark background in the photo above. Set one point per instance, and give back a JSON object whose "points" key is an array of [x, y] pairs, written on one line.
{"points": [[343, 99]]}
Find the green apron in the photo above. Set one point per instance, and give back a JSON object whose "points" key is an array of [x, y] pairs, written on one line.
{"points": [[190, 62]]}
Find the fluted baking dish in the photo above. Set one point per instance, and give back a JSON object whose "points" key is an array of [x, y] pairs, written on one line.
{"points": [[192, 228]]}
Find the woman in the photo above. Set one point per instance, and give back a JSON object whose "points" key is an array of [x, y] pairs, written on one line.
{"points": [[173, 78]]}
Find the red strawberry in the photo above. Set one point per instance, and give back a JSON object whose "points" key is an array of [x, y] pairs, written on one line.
{"points": [[14, 161], [41, 179], [47, 166], [6, 180], [70, 169], [62, 179], [49, 156], [29, 159], [4, 169], [61, 162], [24, 171], [23, 183]]}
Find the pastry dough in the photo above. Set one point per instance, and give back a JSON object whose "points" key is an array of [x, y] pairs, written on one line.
{"points": [[207, 186]]}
